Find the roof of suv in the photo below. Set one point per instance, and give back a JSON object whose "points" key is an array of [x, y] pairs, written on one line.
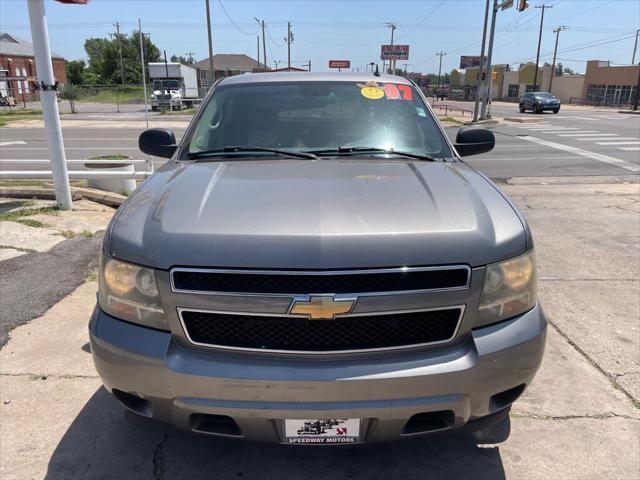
{"points": [[312, 77]]}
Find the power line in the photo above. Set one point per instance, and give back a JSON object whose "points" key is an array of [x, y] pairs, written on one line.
{"points": [[423, 19], [234, 23]]}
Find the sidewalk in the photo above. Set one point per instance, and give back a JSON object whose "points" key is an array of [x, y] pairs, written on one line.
{"points": [[579, 419]]}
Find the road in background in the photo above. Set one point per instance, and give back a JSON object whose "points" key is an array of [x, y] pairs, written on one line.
{"points": [[570, 143]]}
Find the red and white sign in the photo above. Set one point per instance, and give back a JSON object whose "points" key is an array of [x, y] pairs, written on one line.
{"points": [[339, 64], [394, 52]]}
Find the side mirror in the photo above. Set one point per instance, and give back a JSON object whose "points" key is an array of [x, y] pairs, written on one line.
{"points": [[157, 142], [472, 141]]}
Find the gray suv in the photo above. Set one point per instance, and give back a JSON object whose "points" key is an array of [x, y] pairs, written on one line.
{"points": [[316, 265], [538, 102]]}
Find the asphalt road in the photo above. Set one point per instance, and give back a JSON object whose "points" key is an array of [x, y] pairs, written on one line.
{"points": [[570, 143]]}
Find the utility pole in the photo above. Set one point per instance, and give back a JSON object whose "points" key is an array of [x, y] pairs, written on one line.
{"points": [[258, 50], [308, 65], [479, 80], [441, 54], [289, 39], [276, 62], [117, 35], [211, 69], [392, 63], [264, 43], [555, 50], [144, 80], [190, 55], [635, 46], [488, 82], [49, 101], [543, 7]]}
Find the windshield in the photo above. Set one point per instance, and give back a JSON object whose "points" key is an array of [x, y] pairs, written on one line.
{"points": [[166, 85], [544, 95], [313, 116]]}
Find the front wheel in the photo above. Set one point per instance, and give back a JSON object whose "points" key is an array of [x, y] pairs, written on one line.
{"points": [[536, 109], [556, 110], [521, 108]]}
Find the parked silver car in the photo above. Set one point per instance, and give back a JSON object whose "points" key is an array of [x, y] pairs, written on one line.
{"points": [[315, 264]]}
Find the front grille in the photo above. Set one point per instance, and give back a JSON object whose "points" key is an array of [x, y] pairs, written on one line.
{"points": [[312, 283], [300, 334]]}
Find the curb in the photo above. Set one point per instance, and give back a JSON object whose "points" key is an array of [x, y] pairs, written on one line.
{"points": [[630, 112], [77, 193], [523, 120]]}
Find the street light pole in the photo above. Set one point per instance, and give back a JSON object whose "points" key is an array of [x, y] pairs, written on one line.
{"points": [[211, 69], [543, 7], [49, 101], [258, 45], [264, 43], [555, 50], [479, 80], [635, 46]]}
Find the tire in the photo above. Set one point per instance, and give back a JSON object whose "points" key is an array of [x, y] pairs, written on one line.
{"points": [[521, 108], [556, 110], [536, 109], [154, 109]]}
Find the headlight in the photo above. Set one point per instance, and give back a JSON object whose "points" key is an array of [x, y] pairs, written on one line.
{"points": [[509, 289], [129, 292]]}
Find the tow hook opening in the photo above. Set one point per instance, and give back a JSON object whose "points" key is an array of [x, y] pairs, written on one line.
{"points": [[134, 403], [506, 398], [429, 422], [215, 425]]}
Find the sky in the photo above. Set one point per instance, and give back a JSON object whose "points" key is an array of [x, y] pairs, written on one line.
{"points": [[348, 29]]}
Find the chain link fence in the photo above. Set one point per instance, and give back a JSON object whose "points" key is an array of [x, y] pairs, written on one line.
{"points": [[103, 98]]}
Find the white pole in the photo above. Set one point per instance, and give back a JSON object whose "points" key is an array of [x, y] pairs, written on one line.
{"points": [[486, 99], [479, 84], [49, 101], [144, 80]]}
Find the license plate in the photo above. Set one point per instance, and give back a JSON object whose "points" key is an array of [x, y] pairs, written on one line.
{"points": [[325, 431]]}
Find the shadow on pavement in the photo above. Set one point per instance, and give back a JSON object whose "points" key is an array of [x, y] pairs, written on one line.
{"points": [[102, 444]]}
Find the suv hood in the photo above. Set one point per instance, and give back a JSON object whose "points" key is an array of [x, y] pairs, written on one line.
{"points": [[324, 214]]}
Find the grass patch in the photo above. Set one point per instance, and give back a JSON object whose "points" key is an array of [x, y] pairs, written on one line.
{"points": [[10, 116], [112, 156], [188, 111], [72, 234], [447, 118], [25, 212], [22, 183], [20, 249], [29, 222]]}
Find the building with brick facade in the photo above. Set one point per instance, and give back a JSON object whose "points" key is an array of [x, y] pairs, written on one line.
{"points": [[17, 60]]}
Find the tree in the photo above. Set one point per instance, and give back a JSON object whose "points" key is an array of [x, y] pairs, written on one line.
{"points": [[104, 58], [569, 71], [183, 60], [76, 72]]}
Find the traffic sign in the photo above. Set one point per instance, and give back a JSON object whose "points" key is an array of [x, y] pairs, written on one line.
{"points": [[394, 52], [339, 64]]}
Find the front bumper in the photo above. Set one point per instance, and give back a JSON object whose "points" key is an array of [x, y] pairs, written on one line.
{"points": [[199, 390]]}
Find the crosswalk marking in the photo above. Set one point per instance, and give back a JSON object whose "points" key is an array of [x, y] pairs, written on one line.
{"points": [[584, 153], [637, 142], [578, 134], [606, 139], [630, 149], [588, 135]]}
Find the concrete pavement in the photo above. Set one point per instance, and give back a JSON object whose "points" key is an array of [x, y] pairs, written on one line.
{"points": [[579, 419]]}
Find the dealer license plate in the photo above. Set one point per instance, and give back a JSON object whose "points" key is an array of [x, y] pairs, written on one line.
{"points": [[326, 431]]}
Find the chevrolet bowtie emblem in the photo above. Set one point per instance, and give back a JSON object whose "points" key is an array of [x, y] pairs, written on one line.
{"points": [[321, 307]]}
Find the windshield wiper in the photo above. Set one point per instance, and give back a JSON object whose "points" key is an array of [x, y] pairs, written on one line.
{"points": [[222, 151], [358, 150]]}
